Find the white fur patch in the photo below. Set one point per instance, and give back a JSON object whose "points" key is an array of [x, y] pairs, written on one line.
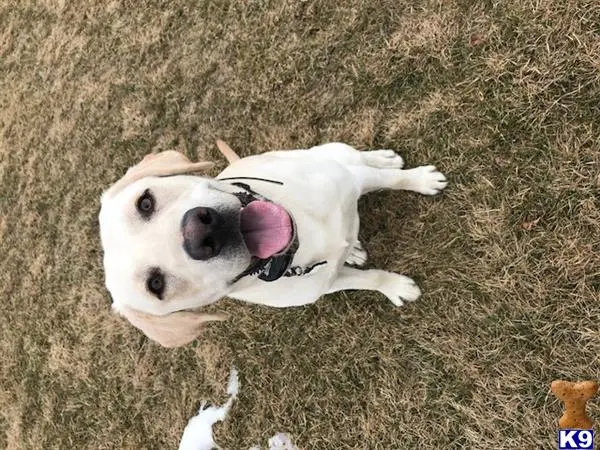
{"points": [[198, 434], [280, 441]]}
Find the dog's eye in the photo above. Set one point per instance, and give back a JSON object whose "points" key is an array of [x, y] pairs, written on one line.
{"points": [[145, 204], [156, 283]]}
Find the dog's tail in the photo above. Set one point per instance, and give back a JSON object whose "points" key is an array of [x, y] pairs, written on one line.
{"points": [[228, 153]]}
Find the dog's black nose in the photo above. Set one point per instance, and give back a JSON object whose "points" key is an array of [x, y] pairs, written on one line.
{"points": [[200, 229]]}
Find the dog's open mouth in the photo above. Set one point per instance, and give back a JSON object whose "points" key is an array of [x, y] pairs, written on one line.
{"points": [[267, 228]]}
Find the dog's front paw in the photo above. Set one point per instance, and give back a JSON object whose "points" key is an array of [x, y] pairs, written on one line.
{"points": [[427, 180], [383, 159], [400, 289]]}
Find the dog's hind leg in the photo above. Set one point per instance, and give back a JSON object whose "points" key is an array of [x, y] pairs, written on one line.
{"points": [[358, 256], [398, 288], [382, 159]]}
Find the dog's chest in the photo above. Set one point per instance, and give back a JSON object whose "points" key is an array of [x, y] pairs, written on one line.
{"points": [[323, 204], [325, 217]]}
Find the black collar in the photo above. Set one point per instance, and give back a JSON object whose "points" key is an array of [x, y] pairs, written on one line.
{"points": [[272, 268]]}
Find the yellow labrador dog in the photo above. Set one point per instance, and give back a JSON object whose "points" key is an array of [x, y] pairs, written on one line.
{"points": [[278, 229]]}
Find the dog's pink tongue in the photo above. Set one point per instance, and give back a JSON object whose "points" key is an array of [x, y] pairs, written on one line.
{"points": [[266, 227]]}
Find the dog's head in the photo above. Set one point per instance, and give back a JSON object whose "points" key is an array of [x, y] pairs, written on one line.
{"points": [[174, 241]]}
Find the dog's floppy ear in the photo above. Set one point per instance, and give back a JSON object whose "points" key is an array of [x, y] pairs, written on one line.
{"points": [[161, 164], [173, 330], [227, 152]]}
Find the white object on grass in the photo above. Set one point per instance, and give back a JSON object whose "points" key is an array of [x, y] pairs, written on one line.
{"points": [[280, 441], [198, 433]]}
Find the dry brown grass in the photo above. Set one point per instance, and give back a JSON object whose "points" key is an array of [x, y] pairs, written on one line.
{"points": [[502, 96]]}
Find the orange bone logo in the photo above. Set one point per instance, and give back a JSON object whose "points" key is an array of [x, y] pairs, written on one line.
{"points": [[575, 397]]}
